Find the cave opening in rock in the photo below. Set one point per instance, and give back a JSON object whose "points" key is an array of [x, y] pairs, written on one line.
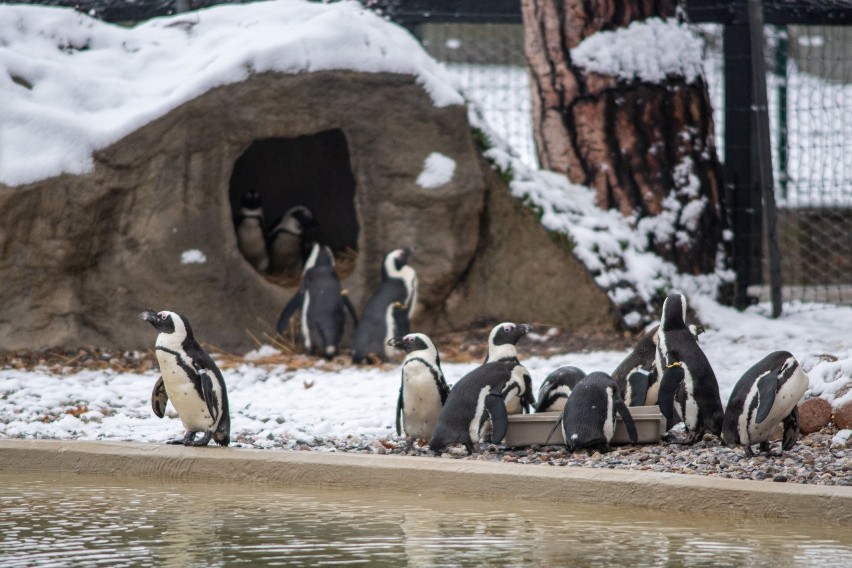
{"points": [[311, 171]]}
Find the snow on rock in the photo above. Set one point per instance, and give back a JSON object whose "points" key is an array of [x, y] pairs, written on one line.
{"points": [[647, 50], [438, 169], [193, 256], [71, 84]]}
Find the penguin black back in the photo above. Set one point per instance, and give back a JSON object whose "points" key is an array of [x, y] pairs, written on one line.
{"points": [[388, 311], [557, 387], [588, 419], [474, 400]]}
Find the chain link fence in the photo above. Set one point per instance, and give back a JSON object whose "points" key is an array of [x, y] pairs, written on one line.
{"points": [[809, 85]]}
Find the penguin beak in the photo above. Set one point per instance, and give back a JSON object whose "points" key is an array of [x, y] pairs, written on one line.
{"points": [[407, 252], [396, 342], [148, 315]]}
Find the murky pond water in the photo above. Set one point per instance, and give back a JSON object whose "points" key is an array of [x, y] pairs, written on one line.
{"points": [[88, 521]]}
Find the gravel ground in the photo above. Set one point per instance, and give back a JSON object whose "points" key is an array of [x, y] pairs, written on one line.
{"points": [[812, 460]]}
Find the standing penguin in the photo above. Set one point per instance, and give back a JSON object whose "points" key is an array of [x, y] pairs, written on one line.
{"points": [[588, 419], [250, 238], [556, 388], [322, 303], [502, 346], [637, 375], [190, 379], [680, 360], [422, 390], [477, 404], [767, 394], [389, 311], [288, 242]]}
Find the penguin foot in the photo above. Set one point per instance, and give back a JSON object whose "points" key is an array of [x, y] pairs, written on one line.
{"points": [[203, 441], [185, 441], [748, 451]]}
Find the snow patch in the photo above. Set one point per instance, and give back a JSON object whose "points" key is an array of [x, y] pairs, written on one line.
{"points": [[193, 256], [647, 50], [71, 84], [438, 170]]}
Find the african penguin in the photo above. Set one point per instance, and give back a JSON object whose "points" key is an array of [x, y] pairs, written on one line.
{"points": [[502, 342], [190, 379], [476, 406], [767, 394], [637, 375], [681, 361], [588, 419], [250, 237], [389, 310], [556, 388], [422, 390], [287, 243], [322, 304]]}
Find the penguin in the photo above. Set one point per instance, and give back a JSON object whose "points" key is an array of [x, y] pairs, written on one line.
{"points": [[556, 388], [768, 393], [502, 346], [679, 361], [250, 227], [477, 404], [322, 304], [190, 379], [637, 376], [422, 390], [588, 419], [389, 310], [288, 242]]}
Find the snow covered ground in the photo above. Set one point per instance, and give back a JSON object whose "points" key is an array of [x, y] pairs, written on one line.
{"points": [[276, 406]]}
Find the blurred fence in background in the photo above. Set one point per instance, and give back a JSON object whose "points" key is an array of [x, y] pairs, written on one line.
{"points": [[807, 47]]}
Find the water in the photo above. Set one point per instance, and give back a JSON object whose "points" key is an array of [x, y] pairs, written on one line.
{"points": [[108, 521]]}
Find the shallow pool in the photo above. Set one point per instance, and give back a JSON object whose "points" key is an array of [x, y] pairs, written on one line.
{"points": [[87, 521]]}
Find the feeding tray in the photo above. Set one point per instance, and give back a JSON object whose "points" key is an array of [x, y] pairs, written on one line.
{"points": [[532, 429]]}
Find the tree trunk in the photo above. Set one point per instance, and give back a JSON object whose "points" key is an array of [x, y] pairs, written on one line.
{"points": [[636, 143]]}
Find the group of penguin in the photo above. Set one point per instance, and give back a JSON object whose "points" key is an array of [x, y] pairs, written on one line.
{"points": [[280, 250], [667, 368], [292, 247]]}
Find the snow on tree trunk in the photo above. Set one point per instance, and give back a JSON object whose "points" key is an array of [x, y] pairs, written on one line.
{"points": [[620, 104]]}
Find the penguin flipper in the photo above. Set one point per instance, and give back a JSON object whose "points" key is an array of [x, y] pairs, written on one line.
{"points": [[443, 389], [766, 388], [209, 395], [555, 425], [544, 399], [294, 304], [528, 399], [627, 418], [638, 381], [496, 407], [671, 380], [159, 398], [347, 303], [399, 407], [791, 429]]}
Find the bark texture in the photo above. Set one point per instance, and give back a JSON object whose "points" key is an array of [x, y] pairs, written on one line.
{"points": [[646, 148]]}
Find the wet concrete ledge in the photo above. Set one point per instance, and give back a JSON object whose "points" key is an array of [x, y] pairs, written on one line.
{"points": [[662, 491]]}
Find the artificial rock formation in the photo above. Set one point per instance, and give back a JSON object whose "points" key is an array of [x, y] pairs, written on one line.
{"points": [[83, 254]]}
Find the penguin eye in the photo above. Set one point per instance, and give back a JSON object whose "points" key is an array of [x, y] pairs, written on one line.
{"points": [[164, 316], [508, 328]]}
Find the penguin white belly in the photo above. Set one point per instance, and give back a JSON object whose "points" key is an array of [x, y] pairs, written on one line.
{"points": [[559, 403], [609, 418], [306, 332], [473, 428], [786, 398], [518, 386], [390, 331], [191, 408], [285, 253], [690, 406], [252, 244], [421, 401], [653, 395]]}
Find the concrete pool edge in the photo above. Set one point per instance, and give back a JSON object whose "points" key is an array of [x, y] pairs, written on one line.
{"points": [[659, 491]]}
